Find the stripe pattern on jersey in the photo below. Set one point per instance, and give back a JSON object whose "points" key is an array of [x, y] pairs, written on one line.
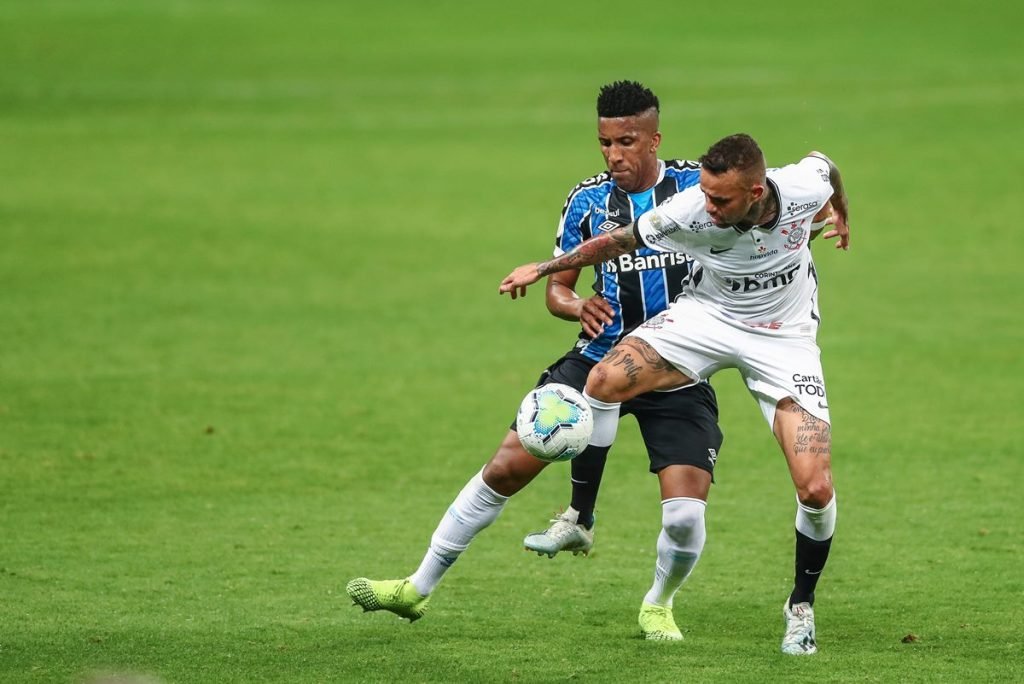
{"points": [[638, 285]]}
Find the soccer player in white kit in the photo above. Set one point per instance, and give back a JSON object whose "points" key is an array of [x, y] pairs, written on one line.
{"points": [[753, 307]]}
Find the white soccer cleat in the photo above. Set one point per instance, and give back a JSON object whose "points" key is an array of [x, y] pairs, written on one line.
{"points": [[799, 638], [565, 534]]}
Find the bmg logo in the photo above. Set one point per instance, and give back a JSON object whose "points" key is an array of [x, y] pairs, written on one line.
{"points": [[769, 281]]}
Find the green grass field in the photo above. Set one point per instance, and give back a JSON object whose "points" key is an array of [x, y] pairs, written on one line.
{"points": [[252, 346]]}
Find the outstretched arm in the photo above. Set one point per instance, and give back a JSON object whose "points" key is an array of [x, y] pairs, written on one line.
{"points": [[609, 245], [837, 209]]}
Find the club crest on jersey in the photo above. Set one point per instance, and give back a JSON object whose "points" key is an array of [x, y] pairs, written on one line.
{"points": [[795, 235], [658, 322]]}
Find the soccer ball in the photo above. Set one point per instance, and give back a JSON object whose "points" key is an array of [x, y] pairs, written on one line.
{"points": [[554, 422]]}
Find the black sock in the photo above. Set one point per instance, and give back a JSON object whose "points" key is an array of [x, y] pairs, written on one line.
{"points": [[587, 469], [810, 561]]}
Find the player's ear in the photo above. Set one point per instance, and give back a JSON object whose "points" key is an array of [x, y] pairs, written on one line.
{"points": [[655, 141], [757, 192]]}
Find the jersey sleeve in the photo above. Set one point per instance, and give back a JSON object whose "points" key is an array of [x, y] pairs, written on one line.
{"points": [[666, 226], [815, 178], [570, 226]]}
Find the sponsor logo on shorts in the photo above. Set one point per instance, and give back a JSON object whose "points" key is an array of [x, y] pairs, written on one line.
{"points": [[712, 456], [810, 386]]}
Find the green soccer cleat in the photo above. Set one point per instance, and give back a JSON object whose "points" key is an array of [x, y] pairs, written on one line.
{"points": [[658, 624], [398, 596]]}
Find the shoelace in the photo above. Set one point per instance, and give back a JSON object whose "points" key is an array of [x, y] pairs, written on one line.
{"points": [[799, 625], [396, 596], [561, 528]]}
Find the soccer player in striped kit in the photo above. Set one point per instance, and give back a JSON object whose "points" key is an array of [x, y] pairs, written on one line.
{"points": [[679, 427]]}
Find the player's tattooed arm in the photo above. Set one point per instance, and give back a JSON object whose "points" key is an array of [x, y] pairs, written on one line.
{"points": [[837, 211], [606, 246]]}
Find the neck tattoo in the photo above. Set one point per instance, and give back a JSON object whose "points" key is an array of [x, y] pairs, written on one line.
{"points": [[769, 209]]}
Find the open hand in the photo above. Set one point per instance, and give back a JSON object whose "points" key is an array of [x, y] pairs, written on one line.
{"points": [[840, 229], [515, 282], [595, 313]]}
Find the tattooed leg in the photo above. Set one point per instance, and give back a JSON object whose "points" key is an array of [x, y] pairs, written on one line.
{"points": [[631, 368], [807, 443]]}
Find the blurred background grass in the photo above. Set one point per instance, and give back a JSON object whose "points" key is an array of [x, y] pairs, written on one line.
{"points": [[252, 344]]}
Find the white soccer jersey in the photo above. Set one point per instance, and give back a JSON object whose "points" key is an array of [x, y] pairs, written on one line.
{"points": [[763, 277]]}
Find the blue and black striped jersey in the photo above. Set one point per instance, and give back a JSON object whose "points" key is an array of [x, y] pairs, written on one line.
{"points": [[640, 284]]}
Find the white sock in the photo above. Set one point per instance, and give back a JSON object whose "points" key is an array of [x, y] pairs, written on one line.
{"points": [[606, 421], [476, 507], [679, 546], [817, 523]]}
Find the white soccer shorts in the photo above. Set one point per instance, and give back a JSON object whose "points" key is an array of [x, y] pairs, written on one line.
{"points": [[774, 365]]}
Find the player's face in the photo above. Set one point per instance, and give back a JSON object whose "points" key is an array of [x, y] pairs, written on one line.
{"points": [[630, 148], [728, 196]]}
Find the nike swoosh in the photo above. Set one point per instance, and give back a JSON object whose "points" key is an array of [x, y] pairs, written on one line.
{"points": [[808, 572], [720, 251], [824, 406]]}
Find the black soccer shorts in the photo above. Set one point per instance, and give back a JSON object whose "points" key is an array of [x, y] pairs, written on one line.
{"points": [[678, 427]]}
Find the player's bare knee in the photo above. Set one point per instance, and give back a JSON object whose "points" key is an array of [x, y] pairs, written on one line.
{"points": [[816, 493], [497, 475], [511, 468], [603, 385]]}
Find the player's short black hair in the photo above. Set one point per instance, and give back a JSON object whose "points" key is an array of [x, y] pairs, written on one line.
{"points": [[739, 151], [625, 98]]}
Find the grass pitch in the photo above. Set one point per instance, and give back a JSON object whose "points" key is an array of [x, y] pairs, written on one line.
{"points": [[252, 345]]}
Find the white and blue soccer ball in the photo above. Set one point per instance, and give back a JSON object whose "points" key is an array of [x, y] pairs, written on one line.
{"points": [[554, 422]]}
